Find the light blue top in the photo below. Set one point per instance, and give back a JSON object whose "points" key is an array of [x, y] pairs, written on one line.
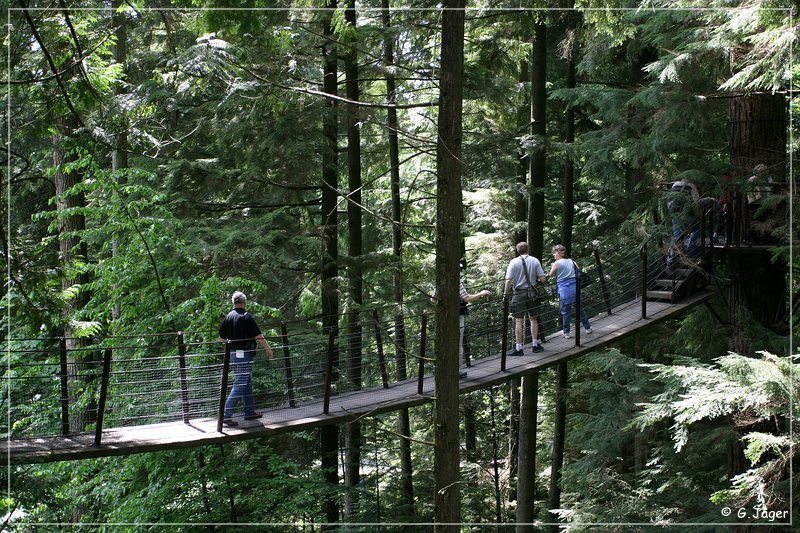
{"points": [[565, 269]]}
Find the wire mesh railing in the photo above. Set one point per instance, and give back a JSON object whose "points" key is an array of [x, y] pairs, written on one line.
{"points": [[68, 386]]}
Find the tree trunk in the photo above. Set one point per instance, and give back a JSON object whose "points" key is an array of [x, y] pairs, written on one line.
{"points": [[329, 435], [559, 435], [354, 271], [526, 480], [513, 438], [523, 164], [447, 504], [634, 176], [538, 159], [404, 422], [73, 252], [568, 213], [119, 156], [758, 134], [470, 429]]}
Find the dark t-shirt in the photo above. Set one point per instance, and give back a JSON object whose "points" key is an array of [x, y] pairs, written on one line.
{"points": [[239, 324]]}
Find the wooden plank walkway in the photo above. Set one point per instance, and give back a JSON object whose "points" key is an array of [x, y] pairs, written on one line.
{"points": [[625, 320]]}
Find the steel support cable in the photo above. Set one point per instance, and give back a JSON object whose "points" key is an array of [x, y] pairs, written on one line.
{"points": [[308, 351]]}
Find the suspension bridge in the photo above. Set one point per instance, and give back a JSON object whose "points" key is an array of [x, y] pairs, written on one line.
{"points": [[124, 395]]}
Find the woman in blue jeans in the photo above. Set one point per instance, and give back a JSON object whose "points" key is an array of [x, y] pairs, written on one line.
{"points": [[566, 272]]}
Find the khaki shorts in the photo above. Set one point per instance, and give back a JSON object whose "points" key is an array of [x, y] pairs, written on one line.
{"points": [[522, 305]]}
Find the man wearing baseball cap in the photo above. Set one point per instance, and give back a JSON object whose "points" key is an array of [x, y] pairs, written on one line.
{"points": [[239, 328]]}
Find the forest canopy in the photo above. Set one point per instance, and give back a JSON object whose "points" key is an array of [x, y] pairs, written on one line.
{"points": [[162, 155]]}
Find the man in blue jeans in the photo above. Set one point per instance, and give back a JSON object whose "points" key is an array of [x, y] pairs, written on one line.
{"points": [[240, 329]]}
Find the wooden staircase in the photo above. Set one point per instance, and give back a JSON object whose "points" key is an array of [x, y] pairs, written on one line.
{"points": [[676, 285]]}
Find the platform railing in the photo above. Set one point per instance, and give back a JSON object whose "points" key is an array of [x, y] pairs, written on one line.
{"points": [[125, 381]]}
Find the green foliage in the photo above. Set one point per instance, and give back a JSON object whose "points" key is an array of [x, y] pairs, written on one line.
{"points": [[750, 391], [222, 124]]}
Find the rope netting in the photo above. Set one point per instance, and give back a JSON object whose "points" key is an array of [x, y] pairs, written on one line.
{"points": [[54, 385]]}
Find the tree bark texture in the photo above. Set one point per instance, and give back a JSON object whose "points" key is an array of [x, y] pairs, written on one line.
{"points": [[447, 502], [758, 134], [403, 418], [513, 437], [329, 435], [470, 427], [119, 156], [73, 251], [559, 436], [355, 250], [526, 479], [330, 186], [568, 212], [538, 159], [523, 165]]}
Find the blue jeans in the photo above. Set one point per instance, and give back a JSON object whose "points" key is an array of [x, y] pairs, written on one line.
{"points": [[566, 295], [566, 311], [242, 385], [691, 239]]}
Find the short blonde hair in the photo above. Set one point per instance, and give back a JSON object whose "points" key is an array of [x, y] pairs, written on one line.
{"points": [[560, 248]]}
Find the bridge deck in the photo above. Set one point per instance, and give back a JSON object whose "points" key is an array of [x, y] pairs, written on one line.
{"points": [[625, 320]]}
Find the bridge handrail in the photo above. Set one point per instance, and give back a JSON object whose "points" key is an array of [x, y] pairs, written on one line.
{"points": [[142, 387]]}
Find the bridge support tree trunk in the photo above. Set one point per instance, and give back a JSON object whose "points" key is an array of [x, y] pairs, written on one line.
{"points": [[559, 436], [538, 130], [526, 478], [73, 251], [352, 437], [403, 419], [520, 200], [513, 437], [329, 435], [119, 155], [568, 210], [447, 497]]}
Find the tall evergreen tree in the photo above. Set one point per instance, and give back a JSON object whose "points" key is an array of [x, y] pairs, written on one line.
{"points": [[448, 223]]}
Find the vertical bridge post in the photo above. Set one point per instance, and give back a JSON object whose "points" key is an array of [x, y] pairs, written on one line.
{"points": [[739, 218], [62, 344], [423, 339], [643, 253], [601, 277], [101, 407], [223, 387], [578, 307], [287, 363], [184, 383]]}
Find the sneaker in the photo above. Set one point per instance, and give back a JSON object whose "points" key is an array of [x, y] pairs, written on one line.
{"points": [[588, 331], [254, 416], [537, 348], [567, 335], [230, 422], [514, 352], [462, 375]]}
